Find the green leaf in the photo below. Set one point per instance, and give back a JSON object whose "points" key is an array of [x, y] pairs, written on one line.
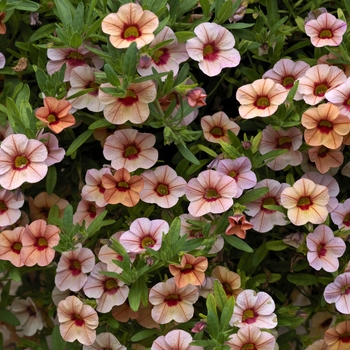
{"points": [[111, 75], [227, 312], [205, 5], [76, 40], [276, 245], [303, 279], [252, 195], [57, 342], [275, 208], [259, 255], [224, 12], [243, 34], [207, 150], [130, 61], [143, 335], [101, 123], [43, 31], [212, 323], [272, 10], [238, 25], [68, 218], [78, 21], [8, 317], [5, 293], [184, 36], [26, 5], [51, 179], [93, 28], [187, 153], [135, 295], [65, 10], [15, 274], [250, 73], [96, 223], [79, 141], [219, 295], [237, 243]]}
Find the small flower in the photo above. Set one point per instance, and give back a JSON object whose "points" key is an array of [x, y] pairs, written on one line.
{"points": [[254, 309], [210, 192], [215, 127], [337, 338], [340, 96], [21, 160], [260, 99], [325, 30], [175, 340], [2, 24], [231, 281], [171, 302], [318, 345], [238, 226], [2, 60], [10, 204], [341, 214], [55, 153], [11, 246], [130, 24], [331, 56], [105, 340], [130, 149], [324, 249], [326, 158], [213, 48], [338, 292], [86, 212], [77, 321], [196, 97], [306, 202], [162, 186]]}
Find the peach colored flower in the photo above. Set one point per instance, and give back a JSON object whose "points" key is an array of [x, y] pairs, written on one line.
{"points": [[11, 246], [123, 313], [337, 338], [341, 214], [122, 188], [325, 126], [210, 192], [326, 158], [325, 30], [190, 271], [21, 160], [38, 240], [318, 80], [10, 202], [77, 321], [177, 339], [104, 341], [340, 96], [171, 302], [231, 281], [2, 24], [162, 186], [130, 149], [132, 107], [55, 114], [130, 24], [216, 126], [260, 99], [238, 225], [86, 212], [306, 202], [318, 345], [213, 48], [331, 56]]}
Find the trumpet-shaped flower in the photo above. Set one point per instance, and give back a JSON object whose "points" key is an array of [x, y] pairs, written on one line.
{"points": [[231, 281], [341, 214], [177, 339], [11, 246], [54, 153], [104, 341], [337, 338], [338, 292], [306, 202], [86, 212], [21, 160], [130, 24], [260, 99], [238, 225], [340, 96], [10, 203], [213, 48], [326, 158], [2, 60]]}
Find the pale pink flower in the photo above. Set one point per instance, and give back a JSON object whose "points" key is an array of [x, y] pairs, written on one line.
{"points": [[325, 30], [83, 78], [10, 204], [332, 56], [171, 302], [306, 202], [21, 160], [105, 340], [340, 96], [11, 246], [286, 72], [238, 225], [73, 267], [58, 295], [38, 240], [166, 58], [318, 80], [162, 186], [341, 215], [324, 249], [130, 149], [240, 170], [132, 107], [215, 127], [5, 130], [144, 233], [55, 153], [210, 192], [326, 158], [130, 24], [338, 292], [72, 58], [2, 60], [28, 315], [255, 309], [290, 140], [262, 218], [107, 291], [77, 321], [251, 337], [213, 48], [175, 340], [196, 97], [94, 190], [260, 99], [86, 212]]}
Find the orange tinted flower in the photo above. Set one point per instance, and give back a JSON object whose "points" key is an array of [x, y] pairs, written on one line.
{"points": [[230, 280], [338, 338], [326, 158], [2, 25]]}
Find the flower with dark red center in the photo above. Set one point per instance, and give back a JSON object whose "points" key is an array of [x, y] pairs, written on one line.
{"points": [[11, 246], [338, 292]]}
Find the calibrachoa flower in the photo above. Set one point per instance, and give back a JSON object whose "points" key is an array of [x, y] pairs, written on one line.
{"points": [[238, 225], [177, 339], [2, 25], [325, 126], [318, 345], [130, 149], [210, 192], [10, 202], [318, 80], [132, 107], [290, 140], [55, 114], [77, 321], [255, 309], [213, 48], [73, 267], [190, 271], [325, 30], [196, 97], [171, 302], [231, 281], [38, 240], [340, 96], [144, 233], [326, 158], [338, 292], [2, 60], [55, 153], [162, 186], [86, 212], [21, 160], [341, 215], [107, 291], [130, 24], [251, 337], [260, 99], [11, 246], [331, 56], [122, 188], [306, 202], [105, 340], [215, 127], [324, 249], [337, 338]]}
